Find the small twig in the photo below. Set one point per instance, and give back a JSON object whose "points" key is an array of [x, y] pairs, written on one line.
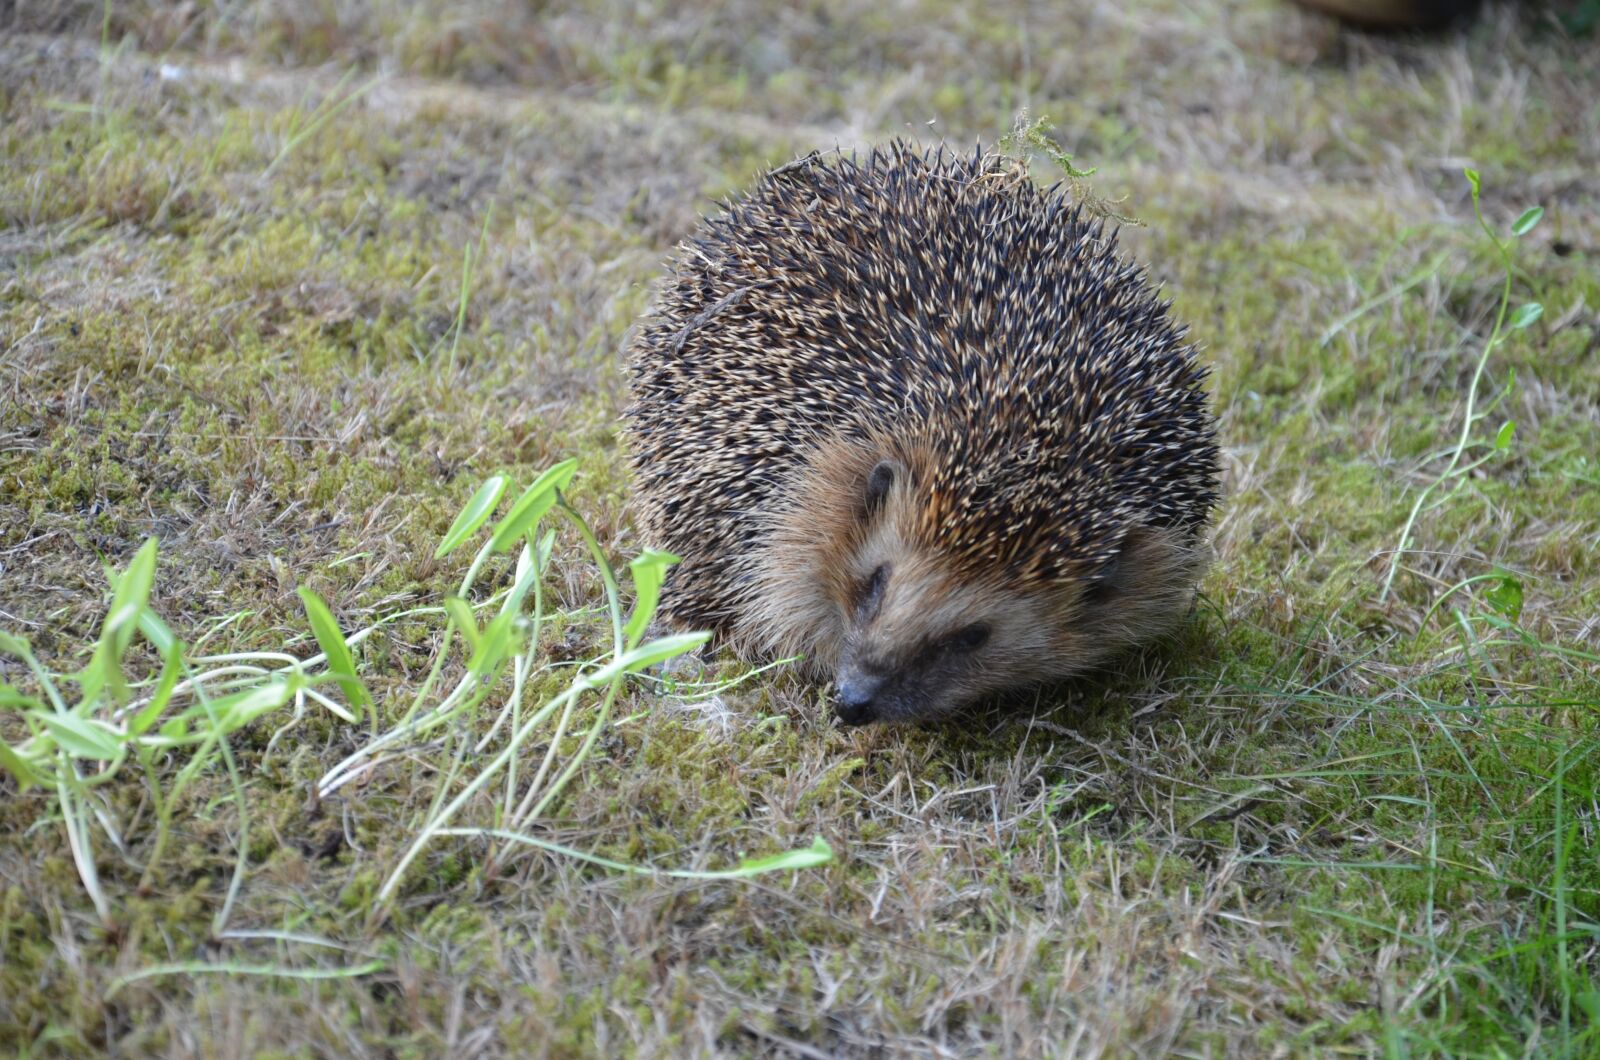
{"points": [[799, 163], [705, 315]]}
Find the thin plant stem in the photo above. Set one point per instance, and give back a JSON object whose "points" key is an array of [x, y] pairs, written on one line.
{"points": [[220, 922], [1469, 420], [78, 840]]}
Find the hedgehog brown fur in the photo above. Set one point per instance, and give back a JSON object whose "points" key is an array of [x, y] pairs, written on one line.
{"points": [[913, 418]]}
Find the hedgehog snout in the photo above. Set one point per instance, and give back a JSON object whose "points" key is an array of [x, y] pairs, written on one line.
{"points": [[855, 696]]}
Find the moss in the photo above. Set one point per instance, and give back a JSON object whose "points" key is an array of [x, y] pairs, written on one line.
{"points": [[256, 367]]}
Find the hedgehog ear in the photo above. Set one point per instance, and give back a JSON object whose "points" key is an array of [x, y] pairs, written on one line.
{"points": [[880, 482], [1112, 576], [1103, 584]]}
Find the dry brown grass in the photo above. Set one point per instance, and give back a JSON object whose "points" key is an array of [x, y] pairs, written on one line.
{"points": [[1315, 823]]}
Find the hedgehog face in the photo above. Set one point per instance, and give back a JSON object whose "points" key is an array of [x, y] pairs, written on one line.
{"points": [[922, 640], [855, 577], [919, 644], [918, 639]]}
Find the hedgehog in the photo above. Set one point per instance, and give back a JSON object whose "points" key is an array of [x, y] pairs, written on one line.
{"points": [[912, 418]]}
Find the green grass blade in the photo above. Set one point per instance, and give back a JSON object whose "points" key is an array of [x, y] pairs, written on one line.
{"points": [[497, 642], [80, 737], [18, 767], [129, 600], [529, 508], [330, 638], [460, 613], [323, 114], [465, 296], [240, 709], [818, 853], [649, 572], [12, 644], [474, 515], [157, 632], [140, 723], [131, 597], [13, 697], [658, 650], [274, 971]]}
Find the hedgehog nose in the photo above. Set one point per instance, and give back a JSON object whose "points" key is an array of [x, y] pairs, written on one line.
{"points": [[856, 692]]}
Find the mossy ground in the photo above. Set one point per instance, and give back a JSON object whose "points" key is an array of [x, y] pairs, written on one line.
{"points": [[1319, 821]]}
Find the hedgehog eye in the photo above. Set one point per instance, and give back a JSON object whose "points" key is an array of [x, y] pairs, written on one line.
{"points": [[878, 483], [872, 593], [967, 639]]}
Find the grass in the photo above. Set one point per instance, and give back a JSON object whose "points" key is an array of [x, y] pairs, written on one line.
{"points": [[282, 286]]}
